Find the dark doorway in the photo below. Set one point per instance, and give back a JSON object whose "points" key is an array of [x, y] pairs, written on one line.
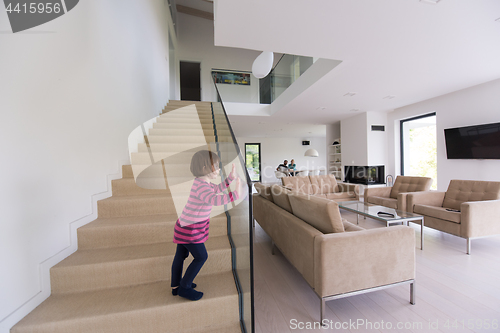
{"points": [[190, 81]]}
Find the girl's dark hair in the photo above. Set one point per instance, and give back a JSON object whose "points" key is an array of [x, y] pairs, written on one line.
{"points": [[202, 163]]}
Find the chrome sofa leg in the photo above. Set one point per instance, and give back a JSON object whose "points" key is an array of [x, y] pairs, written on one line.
{"points": [[468, 245], [322, 310], [412, 293]]}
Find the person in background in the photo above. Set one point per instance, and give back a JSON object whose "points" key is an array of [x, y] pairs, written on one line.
{"points": [[283, 167], [292, 167]]}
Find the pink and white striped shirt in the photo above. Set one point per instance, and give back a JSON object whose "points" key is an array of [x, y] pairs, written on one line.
{"points": [[192, 226]]}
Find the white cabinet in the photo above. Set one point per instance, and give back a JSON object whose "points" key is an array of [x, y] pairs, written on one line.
{"points": [[335, 161]]}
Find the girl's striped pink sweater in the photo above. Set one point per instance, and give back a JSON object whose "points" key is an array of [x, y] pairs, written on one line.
{"points": [[192, 226]]}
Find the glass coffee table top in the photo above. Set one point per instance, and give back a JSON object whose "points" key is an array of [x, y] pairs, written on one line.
{"points": [[377, 212], [385, 214]]}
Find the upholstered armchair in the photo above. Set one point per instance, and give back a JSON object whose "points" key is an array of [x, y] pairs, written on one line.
{"points": [[468, 209], [395, 196]]}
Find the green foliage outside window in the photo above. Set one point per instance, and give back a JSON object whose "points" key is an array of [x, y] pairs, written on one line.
{"points": [[423, 157]]}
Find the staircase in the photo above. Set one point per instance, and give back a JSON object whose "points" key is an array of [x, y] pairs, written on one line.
{"points": [[118, 280]]}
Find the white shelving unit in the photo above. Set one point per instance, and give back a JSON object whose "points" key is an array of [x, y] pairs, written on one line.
{"points": [[335, 161]]}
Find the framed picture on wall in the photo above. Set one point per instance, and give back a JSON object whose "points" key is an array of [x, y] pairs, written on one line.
{"points": [[231, 77]]}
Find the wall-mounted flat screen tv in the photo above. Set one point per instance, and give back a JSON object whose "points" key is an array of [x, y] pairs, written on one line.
{"points": [[473, 142]]}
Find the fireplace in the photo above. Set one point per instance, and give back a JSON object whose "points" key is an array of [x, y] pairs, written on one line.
{"points": [[364, 174]]}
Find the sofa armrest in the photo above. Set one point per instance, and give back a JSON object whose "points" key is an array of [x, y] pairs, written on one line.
{"points": [[480, 218], [402, 201], [351, 261], [377, 192], [430, 198], [348, 188]]}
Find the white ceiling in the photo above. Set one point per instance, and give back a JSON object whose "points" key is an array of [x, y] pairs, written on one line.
{"points": [[403, 48]]}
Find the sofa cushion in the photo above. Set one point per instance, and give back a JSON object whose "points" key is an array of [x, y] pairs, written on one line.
{"points": [[410, 184], [437, 212], [323, 184], [383, 201], [341, 196], [280, 197], [323, 214], [348, 226], [300, 184], [264, 191], [460, 191]]}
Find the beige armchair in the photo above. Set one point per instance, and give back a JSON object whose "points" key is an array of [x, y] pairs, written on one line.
{"points": [[395, 196], [468, 209]]}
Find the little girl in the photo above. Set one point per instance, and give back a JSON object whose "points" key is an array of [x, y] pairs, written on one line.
{"points": [[191, 229]]}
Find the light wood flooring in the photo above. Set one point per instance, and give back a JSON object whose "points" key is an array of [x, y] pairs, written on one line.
{"points": [[455, 292]]}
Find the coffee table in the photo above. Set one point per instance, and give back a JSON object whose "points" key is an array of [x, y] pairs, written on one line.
{"points": [[372, 211]]}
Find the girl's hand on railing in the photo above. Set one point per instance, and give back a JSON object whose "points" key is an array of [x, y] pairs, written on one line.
{"points": [[239, 189], [233, 173]]}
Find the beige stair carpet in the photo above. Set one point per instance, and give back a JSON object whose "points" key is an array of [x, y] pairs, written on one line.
{"points": [[118, 280]]}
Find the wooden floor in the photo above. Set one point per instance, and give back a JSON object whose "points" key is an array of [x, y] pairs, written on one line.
{"points": [[455, 292]]}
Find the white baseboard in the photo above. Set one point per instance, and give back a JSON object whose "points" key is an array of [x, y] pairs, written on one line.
{"points": [[13, 318]]}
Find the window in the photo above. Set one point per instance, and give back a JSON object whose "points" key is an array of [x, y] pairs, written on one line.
{"points": [[252, 161], [418, 147]]}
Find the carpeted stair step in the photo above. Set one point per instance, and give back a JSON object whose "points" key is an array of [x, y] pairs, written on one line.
{"points": [[171, 157], [187, 132], [206, 116], [143, 308], [232, 328], [131, 265], [128, 186], [195, 139], [169, 147], [127, 171], [170, 118], [135, 206], [130, 231], [185, 125]]}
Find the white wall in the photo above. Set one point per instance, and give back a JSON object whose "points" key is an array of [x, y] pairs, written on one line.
{"points": [[376, 140], [360, 145], [196, 43], [71, 91], [472, 106], [354, 140], [275, 150]]}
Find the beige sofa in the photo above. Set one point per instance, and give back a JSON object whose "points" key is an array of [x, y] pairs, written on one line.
{"points": [[325, 186], [335, 257], [395, 196], [468, 209]]}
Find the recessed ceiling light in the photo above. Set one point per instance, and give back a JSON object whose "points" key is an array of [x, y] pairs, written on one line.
{"points": [[389, 97], [261, 122], [497, 20], [430, 2], [350, 94], [354, 110], [321, 108]]}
